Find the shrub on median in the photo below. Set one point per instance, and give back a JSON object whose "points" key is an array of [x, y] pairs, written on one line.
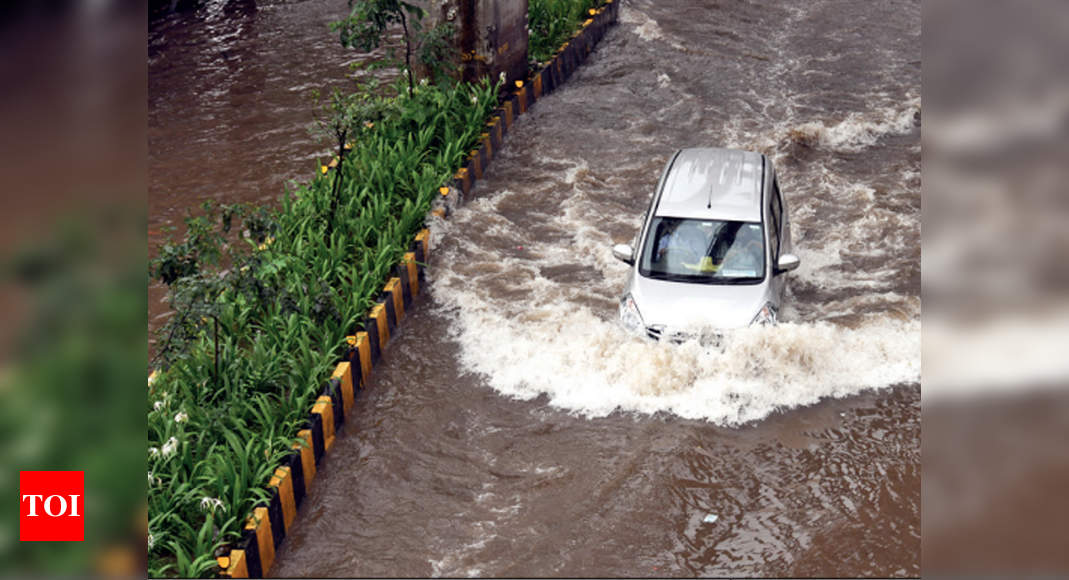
{"points": [[552, 22], [260, 320]]}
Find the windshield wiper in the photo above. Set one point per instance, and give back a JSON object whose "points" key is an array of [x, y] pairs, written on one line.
{"points": [[671, 277], [740, 280], [726, 281]]}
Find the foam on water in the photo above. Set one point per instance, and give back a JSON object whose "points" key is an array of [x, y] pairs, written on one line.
{"points": [[858, 131], [853, 133], [645, 27], [589, 365]]}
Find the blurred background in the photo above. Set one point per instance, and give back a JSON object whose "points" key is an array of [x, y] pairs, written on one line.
{"points": [[995, 280], [995, 270], [73, 275]]}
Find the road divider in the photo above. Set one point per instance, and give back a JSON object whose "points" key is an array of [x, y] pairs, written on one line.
{"points": [[267, 526]]}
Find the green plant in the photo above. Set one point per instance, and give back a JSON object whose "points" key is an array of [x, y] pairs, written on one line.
{"points": [[438, 53], [367, 21], [260, 321], [200, 246], [365, 26], [343, 116], [552, 22]]}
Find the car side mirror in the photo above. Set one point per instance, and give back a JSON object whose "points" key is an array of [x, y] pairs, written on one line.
{"points": [[624, 252], [787, 262]]}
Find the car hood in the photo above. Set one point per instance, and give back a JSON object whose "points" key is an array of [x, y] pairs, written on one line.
{"points": [[682, 305]]}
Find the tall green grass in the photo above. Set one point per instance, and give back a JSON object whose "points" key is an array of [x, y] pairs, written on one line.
{"points": [[552, 22], [260, 322]]}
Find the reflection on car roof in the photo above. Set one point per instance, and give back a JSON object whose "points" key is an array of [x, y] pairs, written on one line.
{"points": [[713, 183]]}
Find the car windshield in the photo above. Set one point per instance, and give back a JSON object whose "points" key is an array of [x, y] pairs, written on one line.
{"points": [[704, 251]]}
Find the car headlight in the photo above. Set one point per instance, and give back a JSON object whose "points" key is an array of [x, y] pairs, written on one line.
{"points": [[765, 316], [630, 316]]}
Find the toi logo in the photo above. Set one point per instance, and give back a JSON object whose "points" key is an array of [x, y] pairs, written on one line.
{"points": [[51, 506]]}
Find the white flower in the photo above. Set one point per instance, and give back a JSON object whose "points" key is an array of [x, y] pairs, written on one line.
{"points": [[152, 479], [422, 82], [157, 405], [474, 100], [210, 504], [181, 417], [153, 451], [151, 540], [501, 78], [170, 447]]}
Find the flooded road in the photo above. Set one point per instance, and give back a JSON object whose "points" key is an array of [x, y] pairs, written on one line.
{"points": [[438, 475], [513, 429]]}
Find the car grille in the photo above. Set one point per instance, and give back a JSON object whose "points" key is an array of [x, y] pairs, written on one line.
{"points": [[705, 338]]}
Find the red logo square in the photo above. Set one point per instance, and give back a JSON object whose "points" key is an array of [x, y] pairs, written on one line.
{"points": [[51, 506]]}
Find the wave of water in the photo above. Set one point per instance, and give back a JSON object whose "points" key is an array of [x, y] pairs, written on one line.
{"points": [[645, 27], [857, 130], [588, 365]]}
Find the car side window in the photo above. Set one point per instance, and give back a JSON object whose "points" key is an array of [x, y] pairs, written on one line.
{"points": [[776, 217]]}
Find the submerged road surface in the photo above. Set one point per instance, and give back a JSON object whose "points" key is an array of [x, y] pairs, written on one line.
{"points": [[514, 430]]}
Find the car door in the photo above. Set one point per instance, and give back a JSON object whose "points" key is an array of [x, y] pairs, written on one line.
{"points": [[779, 237], [786, 245]]}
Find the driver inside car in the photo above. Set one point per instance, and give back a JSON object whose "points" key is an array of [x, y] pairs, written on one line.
{"points": [[745, 252], [682, 242]]}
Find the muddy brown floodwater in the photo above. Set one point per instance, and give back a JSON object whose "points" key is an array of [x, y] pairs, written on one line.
{"points": [[437, 475], [513, 429], [230, 105]]}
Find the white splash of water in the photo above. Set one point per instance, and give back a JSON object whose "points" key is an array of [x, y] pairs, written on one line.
{"points": [[588, 365], [452, 564], [858, 130], [855, 132], [645, 27]]}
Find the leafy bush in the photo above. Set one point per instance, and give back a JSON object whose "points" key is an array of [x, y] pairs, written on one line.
{"points": [[260, 321], [552, 22], [365, 29]]}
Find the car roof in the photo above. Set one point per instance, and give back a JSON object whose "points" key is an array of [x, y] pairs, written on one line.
{"points": [[712, 183]]}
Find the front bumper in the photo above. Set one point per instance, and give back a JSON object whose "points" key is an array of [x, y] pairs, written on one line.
{"points": [[705, 337]]}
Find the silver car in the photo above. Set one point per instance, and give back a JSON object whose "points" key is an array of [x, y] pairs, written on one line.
{"points": [[713, 250]]}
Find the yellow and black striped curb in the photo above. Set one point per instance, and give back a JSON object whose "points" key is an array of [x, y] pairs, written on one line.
{"points": [[267, 526]]}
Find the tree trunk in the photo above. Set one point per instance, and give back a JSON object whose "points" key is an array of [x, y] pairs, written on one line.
{"points": [[408, 53], [336, 189]]}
